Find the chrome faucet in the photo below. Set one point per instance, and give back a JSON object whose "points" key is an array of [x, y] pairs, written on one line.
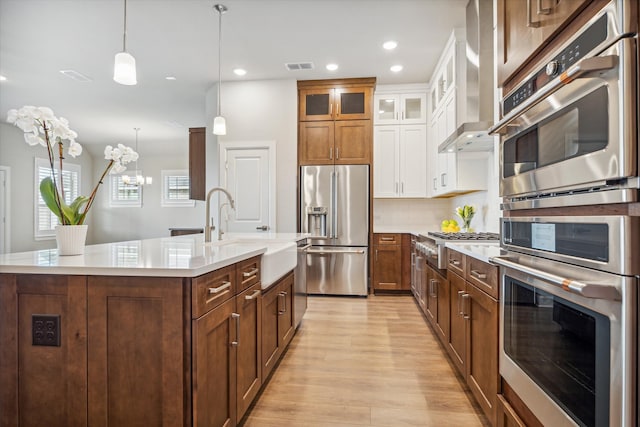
{"points": [[208, 227]]}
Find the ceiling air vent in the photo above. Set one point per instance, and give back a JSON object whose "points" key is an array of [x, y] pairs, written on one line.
{"points": [[297, 66]]}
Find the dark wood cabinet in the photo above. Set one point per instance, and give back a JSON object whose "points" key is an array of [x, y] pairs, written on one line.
{"points": [[526, 26], [335, 125], [214, 367], [335, 100], [506, 415], [197, 163], [278, 324], [333, 142], [473, 341], [136, 350], [387, 262], [249, 366], [482, 373], [458, 325], [392, 262]]}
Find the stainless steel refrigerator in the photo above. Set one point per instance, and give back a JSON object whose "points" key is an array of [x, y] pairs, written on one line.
{"points": [[334, 209]]}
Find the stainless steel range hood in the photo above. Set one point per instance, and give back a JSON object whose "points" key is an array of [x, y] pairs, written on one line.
{"points": [[471, 134]]}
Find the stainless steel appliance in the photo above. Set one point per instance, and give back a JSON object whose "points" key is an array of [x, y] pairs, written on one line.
{"points": [[334, 209], [432, 245], [569, 129], [300, 281], [568, 330]]}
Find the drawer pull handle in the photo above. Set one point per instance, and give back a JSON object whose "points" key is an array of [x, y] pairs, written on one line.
{"points": [[454, 262], [465, 315], [250, 273], [460, 309], [253, 295], [478, 275], [223, 287], [387, 239]]}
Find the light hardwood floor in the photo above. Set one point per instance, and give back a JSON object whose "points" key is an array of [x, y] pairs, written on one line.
{"points": [[364, 362]]}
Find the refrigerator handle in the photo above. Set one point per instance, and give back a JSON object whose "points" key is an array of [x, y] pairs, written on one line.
{"points": [[334, 192]]}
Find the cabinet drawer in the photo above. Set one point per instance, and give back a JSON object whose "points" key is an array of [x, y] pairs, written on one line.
{"points": [[248, 273], [483, 275], [386, 239], [212, 289], [456, 262]]}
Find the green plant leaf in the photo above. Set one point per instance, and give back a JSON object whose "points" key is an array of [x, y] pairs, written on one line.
{"points": [[48, 193], [67, 214]]}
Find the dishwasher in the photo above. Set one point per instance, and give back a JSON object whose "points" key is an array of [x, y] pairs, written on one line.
{"points": [[300, 282]]}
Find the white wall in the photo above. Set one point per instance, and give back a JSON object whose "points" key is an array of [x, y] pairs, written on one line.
{"points": [[112, 224], [19, 156], [260, 111], [487, 203]]}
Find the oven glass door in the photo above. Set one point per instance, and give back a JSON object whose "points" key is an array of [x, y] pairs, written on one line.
{"points": [[562, 347]]}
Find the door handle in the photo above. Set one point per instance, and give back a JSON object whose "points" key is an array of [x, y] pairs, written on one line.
{"points": [[250, 273], [237, 317], [254, 295], [460, 293], [337, 153], [263, 227], [224, 286], [465, 315], [530, 22], [330, 153], [541, 10]]}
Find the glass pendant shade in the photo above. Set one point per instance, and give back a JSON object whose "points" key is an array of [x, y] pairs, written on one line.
{"points": [[219, 126], [124, 70]]}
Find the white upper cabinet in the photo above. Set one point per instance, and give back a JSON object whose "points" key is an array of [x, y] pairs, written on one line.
{"points": [[400, 162], [447, 108], [392, 108]]}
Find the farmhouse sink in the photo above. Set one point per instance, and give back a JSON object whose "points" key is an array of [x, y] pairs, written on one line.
{"points": [[279, 259]]}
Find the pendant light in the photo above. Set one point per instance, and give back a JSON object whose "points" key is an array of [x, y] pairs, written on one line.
{"points": [[138, 179], [219, 123], [124, 69]]}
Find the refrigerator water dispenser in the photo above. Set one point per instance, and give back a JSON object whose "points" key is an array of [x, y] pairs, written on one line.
{"points": [[317, 221]]}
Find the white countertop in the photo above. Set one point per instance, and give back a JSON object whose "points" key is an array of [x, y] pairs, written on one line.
{"points": [[180, 256], [482, 251]]}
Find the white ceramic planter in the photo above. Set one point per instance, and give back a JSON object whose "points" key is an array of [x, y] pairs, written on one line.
{"points": [[71, 239]]}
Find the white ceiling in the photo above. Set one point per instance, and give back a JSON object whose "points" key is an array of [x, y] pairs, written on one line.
{"points": [[38, 38]]}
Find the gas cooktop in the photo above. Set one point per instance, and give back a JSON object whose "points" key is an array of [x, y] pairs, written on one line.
{"points": [[464, 236]]}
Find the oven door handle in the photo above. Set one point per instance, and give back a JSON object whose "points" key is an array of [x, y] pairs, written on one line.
{"points": [[588, 290], [583, 68]]}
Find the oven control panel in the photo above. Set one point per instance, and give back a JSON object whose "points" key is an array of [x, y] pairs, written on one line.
{"points": [[585, 43]]}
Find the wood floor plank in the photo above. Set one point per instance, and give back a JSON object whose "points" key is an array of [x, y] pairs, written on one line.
{"points": [[364, 362]]}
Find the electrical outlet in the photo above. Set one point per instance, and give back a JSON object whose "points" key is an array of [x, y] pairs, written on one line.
{"points": [[45, 329]]}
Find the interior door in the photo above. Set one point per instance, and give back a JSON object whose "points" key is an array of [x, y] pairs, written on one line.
{"points": [[247, 172], [3, 211]]}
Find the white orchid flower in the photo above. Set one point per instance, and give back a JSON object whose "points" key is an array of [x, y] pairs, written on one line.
{"points": [[75, 149], [118, 168], [33, 138], [12, 116]]}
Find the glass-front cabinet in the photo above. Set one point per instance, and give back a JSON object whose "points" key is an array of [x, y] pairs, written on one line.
{"points": [[349, 103], [396, 108]]}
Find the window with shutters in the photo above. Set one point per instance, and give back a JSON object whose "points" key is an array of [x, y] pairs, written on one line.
{"points": [[124, 195], [175, 188], [45, 221]]}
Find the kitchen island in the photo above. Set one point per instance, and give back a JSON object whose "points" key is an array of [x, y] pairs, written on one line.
{"points": [[143, 332]]}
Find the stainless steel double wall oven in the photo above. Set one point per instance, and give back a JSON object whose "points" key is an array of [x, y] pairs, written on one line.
{"points": [[569, 183]]}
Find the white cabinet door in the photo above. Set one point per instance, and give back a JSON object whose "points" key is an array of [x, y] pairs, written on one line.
{"points": [[413, 161], [413, 108], [386, 109], [450, 116], [385, 161]]}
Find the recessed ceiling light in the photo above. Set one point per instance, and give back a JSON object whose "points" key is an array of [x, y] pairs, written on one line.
{"points": [[390, 45], [396, 68], [170, 78], [239, 72], [332, 67], [2, 78]]}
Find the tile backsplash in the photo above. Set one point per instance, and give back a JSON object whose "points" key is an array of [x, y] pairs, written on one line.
{"points": [[412, 214]]}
